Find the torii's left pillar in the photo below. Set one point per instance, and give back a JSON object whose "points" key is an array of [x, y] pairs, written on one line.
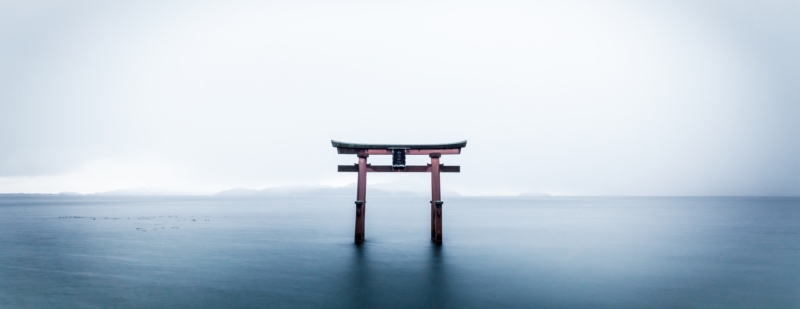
{"points": [[361, 197]]}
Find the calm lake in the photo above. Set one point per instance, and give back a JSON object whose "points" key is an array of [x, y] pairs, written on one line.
{"points": [[555, 252]]}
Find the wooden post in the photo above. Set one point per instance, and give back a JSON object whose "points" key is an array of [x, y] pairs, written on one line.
{"points": [[436, 203], [361, 198]]}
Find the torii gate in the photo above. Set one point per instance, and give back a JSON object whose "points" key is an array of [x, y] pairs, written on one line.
{"points": [[399, 153]]}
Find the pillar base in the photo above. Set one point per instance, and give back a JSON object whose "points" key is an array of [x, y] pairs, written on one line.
{"points": [[437, 222], [359, 237]]}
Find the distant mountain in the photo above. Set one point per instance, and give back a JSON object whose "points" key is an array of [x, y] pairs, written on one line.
{"points": [[409, 188], [289, 191], [349, 190], [306, 191], [237, 192], [533, 194], [142, 192]]}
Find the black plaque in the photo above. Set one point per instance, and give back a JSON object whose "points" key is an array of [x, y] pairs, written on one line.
{"points": [[398, 159]]}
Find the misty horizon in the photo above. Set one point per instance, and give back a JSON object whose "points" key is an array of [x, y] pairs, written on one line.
{"points": [[375, 190]]}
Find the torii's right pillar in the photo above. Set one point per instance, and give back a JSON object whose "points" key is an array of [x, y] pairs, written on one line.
{"points": [[436, 200]]}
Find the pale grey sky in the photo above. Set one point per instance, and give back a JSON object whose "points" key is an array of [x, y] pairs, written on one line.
{"points": [[560, 97]]}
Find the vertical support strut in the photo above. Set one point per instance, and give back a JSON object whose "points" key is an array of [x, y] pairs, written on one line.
{"points": [[361, 198], [436, 203]]}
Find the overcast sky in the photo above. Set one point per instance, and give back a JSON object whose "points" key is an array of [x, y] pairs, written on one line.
{"points": [[559, 97]]}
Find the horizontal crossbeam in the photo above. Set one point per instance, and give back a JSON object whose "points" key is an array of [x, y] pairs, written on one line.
{"points": [[409, 168]]}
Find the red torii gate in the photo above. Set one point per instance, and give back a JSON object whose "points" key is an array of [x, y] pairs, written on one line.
{"points": [[399, 153]]}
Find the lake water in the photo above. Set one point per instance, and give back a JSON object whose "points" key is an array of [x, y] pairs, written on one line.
{"points": [[213, 252]]}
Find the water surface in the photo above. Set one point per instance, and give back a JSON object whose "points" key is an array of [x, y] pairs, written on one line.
{"points": [[212, 252]]}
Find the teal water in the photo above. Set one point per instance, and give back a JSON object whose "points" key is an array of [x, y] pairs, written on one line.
{"points": [[212, 252]]}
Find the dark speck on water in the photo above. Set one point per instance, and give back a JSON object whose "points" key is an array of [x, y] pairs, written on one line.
{"points": [[542, 252]]}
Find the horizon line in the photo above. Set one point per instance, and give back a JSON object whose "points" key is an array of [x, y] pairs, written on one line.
{"points": [[105, 194]]}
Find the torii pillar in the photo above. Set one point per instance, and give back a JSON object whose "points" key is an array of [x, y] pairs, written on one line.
{"points": [[399, 152]]}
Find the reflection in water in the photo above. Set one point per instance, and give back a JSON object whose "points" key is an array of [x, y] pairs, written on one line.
{"points": [[360, 281], [421, 283], [437, 280]]}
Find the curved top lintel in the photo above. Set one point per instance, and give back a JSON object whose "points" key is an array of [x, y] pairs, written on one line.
{"points": [[457, 145]]}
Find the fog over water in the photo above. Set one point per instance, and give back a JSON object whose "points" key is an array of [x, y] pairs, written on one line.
{"points": [[570, 98]]}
